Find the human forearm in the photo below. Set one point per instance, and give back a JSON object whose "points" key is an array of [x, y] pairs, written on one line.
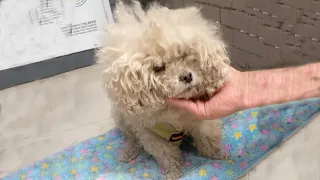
{"points": [[281, 85]]}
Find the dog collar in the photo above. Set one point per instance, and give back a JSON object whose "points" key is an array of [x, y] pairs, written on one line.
{"points": [[168, 132]]}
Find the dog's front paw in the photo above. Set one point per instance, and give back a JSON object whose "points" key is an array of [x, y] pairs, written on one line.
{"points": [[173, 175], [128, 154], [216, 154], [210, 148], [173, 170]]}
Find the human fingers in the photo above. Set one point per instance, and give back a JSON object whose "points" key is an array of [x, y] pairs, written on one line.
{"points": [[184, 104], [196, 108]]}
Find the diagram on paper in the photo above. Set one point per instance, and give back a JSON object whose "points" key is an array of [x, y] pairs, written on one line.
{"points": [[43, 29]]}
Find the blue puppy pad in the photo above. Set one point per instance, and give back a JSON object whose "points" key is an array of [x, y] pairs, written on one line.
{"points": [[248, 136]]}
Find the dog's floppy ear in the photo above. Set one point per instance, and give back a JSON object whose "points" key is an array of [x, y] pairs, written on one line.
{"points": [[128, 85]]}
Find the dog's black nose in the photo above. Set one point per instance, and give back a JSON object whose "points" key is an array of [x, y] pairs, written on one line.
{"points": [[185, 77]]}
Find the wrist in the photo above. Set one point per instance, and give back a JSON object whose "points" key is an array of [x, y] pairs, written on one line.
{"points": [[245, 102], [277, 86], [260, 88]]}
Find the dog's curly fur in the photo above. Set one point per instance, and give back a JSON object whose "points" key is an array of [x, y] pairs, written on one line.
{"points": [[157, 54]]}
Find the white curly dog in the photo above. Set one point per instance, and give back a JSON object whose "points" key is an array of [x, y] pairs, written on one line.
{"points": [[157, 54]]}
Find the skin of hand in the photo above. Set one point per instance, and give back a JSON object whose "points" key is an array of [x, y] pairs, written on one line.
{"points": [[229, 99], [244, 90]]}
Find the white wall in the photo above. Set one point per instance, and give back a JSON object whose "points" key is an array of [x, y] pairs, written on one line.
{"points": [[31, 32]]}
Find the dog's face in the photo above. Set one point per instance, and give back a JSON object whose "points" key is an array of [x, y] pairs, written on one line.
{"points": [[164, 54], [178, 76], [181, 72]]}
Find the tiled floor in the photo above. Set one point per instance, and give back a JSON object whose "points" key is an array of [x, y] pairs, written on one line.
{"points": [[43, 117]]}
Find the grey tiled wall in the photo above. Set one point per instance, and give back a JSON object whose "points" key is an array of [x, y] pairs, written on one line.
{"points": [[264, 34]]}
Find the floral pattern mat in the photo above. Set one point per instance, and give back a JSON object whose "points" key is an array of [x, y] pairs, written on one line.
{"points": [[248, 136]]}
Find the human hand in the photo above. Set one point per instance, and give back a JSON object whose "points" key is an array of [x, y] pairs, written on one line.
{"points": [[228, 100]]}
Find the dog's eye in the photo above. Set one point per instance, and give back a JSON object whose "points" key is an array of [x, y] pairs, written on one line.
{"points": [[157, 68]]}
